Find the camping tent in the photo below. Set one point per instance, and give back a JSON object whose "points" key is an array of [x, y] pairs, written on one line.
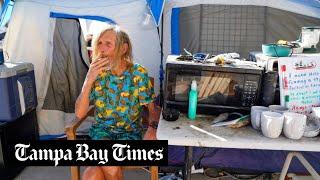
{"points": [[241, 26], [197, 25], [46, 33]]}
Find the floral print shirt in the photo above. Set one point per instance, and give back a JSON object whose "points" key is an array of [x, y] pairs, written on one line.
{"points": [[118, 100]]}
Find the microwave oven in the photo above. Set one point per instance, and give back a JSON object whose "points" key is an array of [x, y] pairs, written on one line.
{"points": [[226, 88]]}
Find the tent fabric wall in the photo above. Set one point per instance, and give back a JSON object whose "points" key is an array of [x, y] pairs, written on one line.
{"points": [[310, 9], [286, 24], [190, 25], [30, 39]]}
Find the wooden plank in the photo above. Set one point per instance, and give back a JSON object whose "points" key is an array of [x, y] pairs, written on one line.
{"points": [[211, 84], [206, 79], [224, 84], [217, 84]]}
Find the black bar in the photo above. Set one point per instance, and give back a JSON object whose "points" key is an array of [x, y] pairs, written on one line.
{"points": [[188, 160]]}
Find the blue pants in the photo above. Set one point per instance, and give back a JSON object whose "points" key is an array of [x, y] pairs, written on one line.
{"points": [[99, 133]]}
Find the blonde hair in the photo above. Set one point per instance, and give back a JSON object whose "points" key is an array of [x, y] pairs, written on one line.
{"points": [[121, 39]]}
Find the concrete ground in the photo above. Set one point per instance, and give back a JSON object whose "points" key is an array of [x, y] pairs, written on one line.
{"points": [[63, 173]]}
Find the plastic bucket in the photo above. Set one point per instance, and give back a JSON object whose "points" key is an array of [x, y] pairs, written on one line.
{"points": [[276, 50]]}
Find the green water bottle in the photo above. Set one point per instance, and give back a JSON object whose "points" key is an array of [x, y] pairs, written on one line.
{"points": [[193, 98]]}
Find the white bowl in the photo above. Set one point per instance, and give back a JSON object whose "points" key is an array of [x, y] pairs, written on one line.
{"points": [[278, 108], [312, 128]]}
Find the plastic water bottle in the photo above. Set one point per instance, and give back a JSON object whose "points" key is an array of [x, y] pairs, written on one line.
{"points": [[193, 98]]}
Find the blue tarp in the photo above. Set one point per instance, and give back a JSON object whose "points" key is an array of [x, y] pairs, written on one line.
{"points": [[255, 160]]}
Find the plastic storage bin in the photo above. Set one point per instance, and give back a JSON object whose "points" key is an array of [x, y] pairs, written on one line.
{"points": [[18, 90]]}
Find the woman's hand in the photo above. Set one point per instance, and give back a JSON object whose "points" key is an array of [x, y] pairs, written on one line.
{"points": [[96, 67], [82, 102]]}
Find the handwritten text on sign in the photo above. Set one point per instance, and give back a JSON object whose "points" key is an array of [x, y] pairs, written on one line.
{"points": [[300, 83]]}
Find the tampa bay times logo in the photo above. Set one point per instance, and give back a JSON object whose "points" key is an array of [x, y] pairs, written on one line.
{"points": [[92, 153]]}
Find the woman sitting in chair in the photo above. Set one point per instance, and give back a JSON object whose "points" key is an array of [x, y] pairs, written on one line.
{"points": [[119, 89]]}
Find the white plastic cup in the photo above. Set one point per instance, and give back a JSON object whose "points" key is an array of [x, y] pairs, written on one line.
{"points": [[271, 124], [294, 125], [256, 116], [278, 109]]}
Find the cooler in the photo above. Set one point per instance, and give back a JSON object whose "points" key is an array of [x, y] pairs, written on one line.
{"points": [[18, 90]]}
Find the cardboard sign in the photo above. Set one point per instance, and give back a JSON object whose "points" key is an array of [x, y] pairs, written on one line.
{"points": [[299, 81]]}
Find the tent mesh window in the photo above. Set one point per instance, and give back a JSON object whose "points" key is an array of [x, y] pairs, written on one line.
{"points": [[231, 28], [219, 29]]}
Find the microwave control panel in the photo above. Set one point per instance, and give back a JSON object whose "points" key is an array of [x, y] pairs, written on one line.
{"points": [[249, 93]]}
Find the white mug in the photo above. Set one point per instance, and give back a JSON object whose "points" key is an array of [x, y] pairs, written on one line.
{"points": [[256, 116], [271, 124], [278, 108], [294, 125]]}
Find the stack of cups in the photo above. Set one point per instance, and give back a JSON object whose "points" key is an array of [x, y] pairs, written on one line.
{"points": [[256, 116], [272, 120]]}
